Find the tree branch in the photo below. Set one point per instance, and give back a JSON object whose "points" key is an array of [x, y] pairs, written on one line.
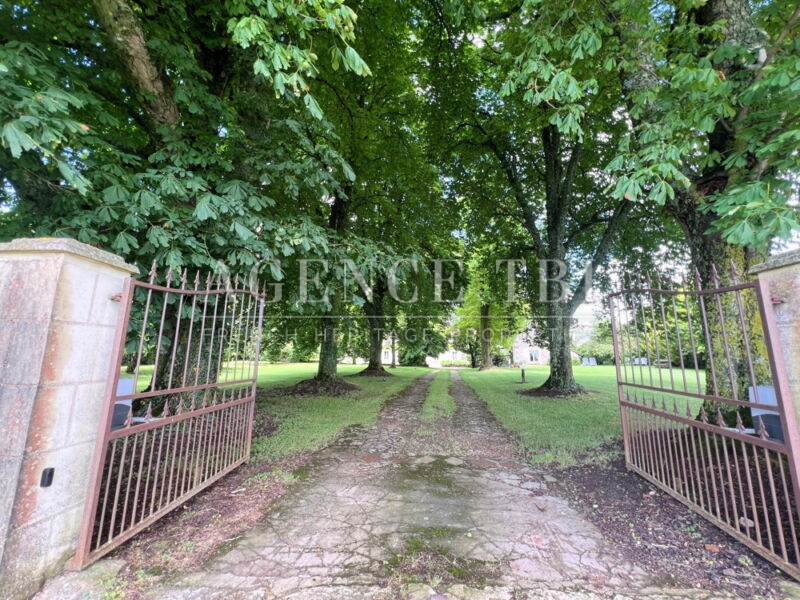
{"points": [[595, 220], [529, 217], [619, 217], [125, 34], [503, 15]]}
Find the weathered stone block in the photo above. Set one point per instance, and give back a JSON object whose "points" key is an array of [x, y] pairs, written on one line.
{"points": [[22, 571], [75, 291], [104, 309], [86, 413], [77, 353], [29, 285], [22, 350], [34, 503], [50, 419], [16, 402], [58, 326]]}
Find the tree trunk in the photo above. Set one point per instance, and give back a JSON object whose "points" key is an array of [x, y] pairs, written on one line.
{"points": [[376, 320], [559, 180], [376, 329], [559, 322], [486, 338], [328, 350], [717, 264]]}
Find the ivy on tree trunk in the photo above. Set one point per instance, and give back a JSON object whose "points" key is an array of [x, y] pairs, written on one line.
{"points": [[376, 320], [486, 333]]}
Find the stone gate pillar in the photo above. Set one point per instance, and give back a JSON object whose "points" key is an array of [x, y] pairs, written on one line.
{"points": [[779, 279], [57, 329]]}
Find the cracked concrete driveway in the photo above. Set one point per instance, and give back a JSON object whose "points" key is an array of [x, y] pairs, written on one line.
{"points": [[407, 510]]}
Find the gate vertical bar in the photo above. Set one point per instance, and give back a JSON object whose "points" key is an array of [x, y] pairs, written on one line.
{"points": [[259, 331], [101, 445], [618, 351]]}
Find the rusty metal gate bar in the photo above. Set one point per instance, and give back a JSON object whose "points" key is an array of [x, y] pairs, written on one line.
{"points": [[184, 418], [701, 389]]}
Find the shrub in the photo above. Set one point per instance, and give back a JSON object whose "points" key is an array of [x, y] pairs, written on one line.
{"points": [[602, 351]]}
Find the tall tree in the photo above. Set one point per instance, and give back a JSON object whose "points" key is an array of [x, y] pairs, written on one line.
{"points": [[709, 90], [702, 93], [394, 205], [522, 163], [171, 132]]}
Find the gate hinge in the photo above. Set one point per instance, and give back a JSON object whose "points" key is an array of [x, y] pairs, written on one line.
{"points": [[116, 297], [777, 299]]}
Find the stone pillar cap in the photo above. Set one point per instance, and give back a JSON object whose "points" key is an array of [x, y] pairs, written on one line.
{"points": [[784, 259], [68, 246]]}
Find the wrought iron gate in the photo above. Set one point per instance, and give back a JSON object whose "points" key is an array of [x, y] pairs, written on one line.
{"points": [[701, 389], [181, 417]]}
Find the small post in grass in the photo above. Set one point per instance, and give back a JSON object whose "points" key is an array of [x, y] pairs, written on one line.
{"points": [[522, 372]]}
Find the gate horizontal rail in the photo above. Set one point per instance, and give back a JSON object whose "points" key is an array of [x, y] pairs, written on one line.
{"points": [[183, 419], [701, 391]]}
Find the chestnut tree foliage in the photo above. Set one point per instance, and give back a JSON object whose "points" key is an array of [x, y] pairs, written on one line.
{"points": [[584, 118], [708, 91], [182, 132], [244, 131]]}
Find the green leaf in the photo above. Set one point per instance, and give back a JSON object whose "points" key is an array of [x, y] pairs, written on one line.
{"points": [[661, 192], [124, 243], [312, 106], [106, 214], [260, 68], [174, 258], [171, 186], [234, 189], [116, 194], [203, 209], [628, 188], [16, 139], [336, 58], [348, 172], [275, 270], [242, 232], [73, 177], [159, 237], [146, 199]]}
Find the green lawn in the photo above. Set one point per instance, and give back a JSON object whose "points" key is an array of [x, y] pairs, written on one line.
{"points": [[439, 402], [563, 430], [269, 374], [308, 423], [145, 373], [559, 430], [286, 374]]}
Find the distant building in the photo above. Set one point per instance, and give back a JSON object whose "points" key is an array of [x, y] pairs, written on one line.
{"points": [[449, 356], [526, 352]]}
